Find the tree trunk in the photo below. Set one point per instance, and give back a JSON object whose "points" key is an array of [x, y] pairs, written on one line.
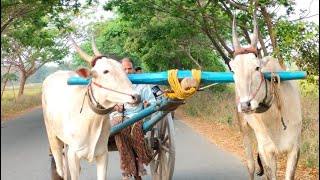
{"points": [[5, 82], [22, 83]]}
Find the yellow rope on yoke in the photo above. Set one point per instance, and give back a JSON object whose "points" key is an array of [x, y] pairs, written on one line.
{"points": [[178, 92]]}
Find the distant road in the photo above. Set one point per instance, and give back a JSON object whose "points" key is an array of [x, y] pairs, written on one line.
{"points": [[24, 154]]}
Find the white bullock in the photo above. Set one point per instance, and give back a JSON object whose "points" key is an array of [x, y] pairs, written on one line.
{"points": [[267, 109], [77, 114]]}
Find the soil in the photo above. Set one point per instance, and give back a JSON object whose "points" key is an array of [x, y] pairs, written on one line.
{"points": [[229, 139]]}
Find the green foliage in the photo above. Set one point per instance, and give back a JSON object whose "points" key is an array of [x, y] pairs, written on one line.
{"points": [[299, 44], [9, 76], [309, 88], [157, 30], [157, 46]]}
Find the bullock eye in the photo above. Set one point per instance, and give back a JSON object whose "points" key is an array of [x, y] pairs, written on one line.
{"points": [[257, 68], [105, 71]]}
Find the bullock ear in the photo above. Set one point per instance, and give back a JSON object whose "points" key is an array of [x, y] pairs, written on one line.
{"points": [[83, 72]]}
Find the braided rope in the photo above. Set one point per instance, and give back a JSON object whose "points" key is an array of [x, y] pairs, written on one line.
{"points": [[174, 83]]}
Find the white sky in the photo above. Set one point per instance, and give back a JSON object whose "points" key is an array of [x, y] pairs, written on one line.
{"points": [[312, 7]]}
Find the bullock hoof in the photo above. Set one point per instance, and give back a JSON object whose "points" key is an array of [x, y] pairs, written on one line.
{"points": [[260, 172], [126, 175], [54, 173], [142, 172]]}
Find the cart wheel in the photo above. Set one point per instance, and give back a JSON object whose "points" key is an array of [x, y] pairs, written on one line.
{"points": [[162, 165]]}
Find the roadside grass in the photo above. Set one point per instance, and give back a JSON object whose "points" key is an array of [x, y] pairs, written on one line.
{"points": [[11, 105], [219, 108], [11, 92]]}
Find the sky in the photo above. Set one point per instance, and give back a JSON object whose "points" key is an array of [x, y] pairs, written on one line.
{"points": [[312, 7]]}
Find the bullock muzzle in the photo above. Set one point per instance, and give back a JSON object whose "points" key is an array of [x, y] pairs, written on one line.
{"points": [[245, 106]]}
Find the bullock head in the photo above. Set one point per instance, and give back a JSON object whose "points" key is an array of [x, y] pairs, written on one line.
{"points": [[246, 66], [109, 82]]}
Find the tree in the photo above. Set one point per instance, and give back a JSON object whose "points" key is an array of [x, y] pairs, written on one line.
{"points": [[214, 18], [30, 33], [29, 47], [29, 11], [8, 76]]}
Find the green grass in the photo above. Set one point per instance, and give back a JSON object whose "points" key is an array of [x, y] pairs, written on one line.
{"points": [[11, 104], [11, 93]]}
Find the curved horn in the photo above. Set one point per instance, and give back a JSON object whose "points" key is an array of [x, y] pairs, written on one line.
{"points": [[254, 40], [81, 53], [94, 47], [235, 39]]}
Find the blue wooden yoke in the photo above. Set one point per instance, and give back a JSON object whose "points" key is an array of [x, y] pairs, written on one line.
{"points": [[161, 78]]}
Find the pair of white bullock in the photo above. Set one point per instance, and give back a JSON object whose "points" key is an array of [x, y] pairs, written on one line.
{"points": [[73, 118]]}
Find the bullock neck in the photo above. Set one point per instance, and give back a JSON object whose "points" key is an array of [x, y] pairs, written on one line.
{"points": [[95, 106], [268, 99]]}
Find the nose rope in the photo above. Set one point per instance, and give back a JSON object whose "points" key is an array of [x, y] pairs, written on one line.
{"points": [[254, 95], [100, 86]]}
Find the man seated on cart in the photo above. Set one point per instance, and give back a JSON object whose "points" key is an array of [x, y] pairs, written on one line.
{"points": [[130, 141]]}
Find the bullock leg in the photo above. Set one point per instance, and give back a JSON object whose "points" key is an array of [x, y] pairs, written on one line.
{"points": [[261, 172], [102, 164], [292, 161], [268, 156], [74, 164], [54, 173], [56, 147], [246, 132], [247, 141]]}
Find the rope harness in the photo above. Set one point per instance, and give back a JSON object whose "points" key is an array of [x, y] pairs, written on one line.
{"points": [[274, 95], [98, 108], [275, 87], [178, 92]]}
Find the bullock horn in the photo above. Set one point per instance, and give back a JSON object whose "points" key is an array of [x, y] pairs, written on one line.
{"points": [[94, 47], [81, 53], [235, 39], [254, 40]]}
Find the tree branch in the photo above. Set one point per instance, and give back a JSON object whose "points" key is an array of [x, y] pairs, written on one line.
{"points": [[190, 56], [271, 34]]}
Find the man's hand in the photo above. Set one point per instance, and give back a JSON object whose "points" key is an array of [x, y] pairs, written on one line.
{"points": [[146, 104], [117, 120], [119, 108]]}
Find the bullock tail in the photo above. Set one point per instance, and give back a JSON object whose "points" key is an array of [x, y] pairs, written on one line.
{"points": [[261, 171], [54, 173]]}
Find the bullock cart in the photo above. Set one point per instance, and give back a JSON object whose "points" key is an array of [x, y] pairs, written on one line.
{"points": [[158, 121]]}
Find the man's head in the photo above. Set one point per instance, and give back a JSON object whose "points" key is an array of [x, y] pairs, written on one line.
{"points": [[138, 70], [128, 65]]}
